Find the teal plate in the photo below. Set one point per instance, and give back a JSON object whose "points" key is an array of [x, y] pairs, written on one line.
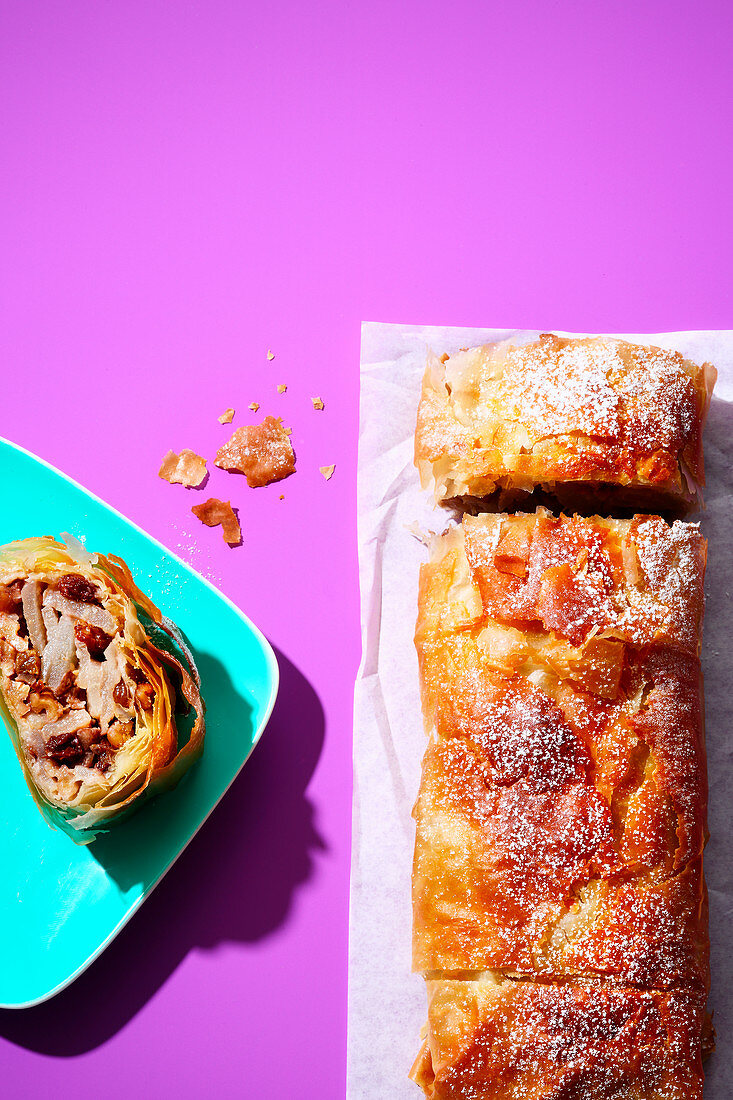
{"points": [[66, 902]]}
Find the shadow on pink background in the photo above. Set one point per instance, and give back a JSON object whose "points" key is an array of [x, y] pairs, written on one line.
{"points": [[185, 186]]}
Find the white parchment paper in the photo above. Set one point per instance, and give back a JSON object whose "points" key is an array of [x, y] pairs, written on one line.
{"points": [[387, 1005]]}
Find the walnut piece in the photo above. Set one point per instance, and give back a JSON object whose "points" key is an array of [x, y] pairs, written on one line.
{"points": [[262, 452], [214, 512]]}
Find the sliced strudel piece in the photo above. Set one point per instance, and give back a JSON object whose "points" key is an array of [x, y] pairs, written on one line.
{"points": [[581, 421], [93, 685]]}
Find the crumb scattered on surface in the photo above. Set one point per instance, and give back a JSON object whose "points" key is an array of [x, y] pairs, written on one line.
{"points": [[327, 471], [317, 403], [187, 468], [262, 452], [281, 388], [270, 354], [254, 406], [282, 496], [214, 512], [227, 416], [288, 431], [417, 532]]}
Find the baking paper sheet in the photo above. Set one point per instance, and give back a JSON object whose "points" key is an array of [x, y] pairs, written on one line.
{"points": [[387, 1005]]}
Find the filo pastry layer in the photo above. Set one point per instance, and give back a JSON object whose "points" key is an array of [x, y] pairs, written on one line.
{"points": [[561, 817], [587, 422]]}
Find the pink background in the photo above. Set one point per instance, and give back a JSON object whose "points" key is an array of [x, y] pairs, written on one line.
{"points": [[187, 184]]}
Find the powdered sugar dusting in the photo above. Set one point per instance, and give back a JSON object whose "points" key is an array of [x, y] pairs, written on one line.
{"points": [[672, 561], [519, 731], [658, 398], [658, 546], [189, 547], [578, 1041], [566, 390]]}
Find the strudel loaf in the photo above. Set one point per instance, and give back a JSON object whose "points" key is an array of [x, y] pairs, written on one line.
{"points": [[560, 912]]}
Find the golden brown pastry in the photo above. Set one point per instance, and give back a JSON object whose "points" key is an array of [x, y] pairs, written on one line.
{"points": [[214, 513], [584, 421], [262, 452], [500, 1039], [562, 811]]}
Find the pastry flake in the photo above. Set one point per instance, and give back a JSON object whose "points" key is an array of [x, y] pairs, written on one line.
{"points": [[215, 512], [227, 416], [262, 452], [187, 469]]}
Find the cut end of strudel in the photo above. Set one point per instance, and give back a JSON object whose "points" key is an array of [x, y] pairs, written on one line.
{"points": [[560, 911], [587, 423]]}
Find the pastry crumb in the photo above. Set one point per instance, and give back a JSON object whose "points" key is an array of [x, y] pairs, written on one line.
{"points": [[227, 416], [327, 471], [281, 388], [318, 403], [187, 468], [417, 532], [254, 406], [270, 355], [214, 512], [262, 452]]}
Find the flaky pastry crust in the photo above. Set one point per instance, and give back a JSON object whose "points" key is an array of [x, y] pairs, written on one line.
{"points": [[502, 1039], [586, 421], [561, 817]]}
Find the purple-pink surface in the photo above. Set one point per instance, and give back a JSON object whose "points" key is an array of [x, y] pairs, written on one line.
{"points": [[187, 185]]}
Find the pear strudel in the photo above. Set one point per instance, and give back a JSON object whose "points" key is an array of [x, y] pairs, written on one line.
{"points": [[586, 422], [94, 682], [560, 911]]}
